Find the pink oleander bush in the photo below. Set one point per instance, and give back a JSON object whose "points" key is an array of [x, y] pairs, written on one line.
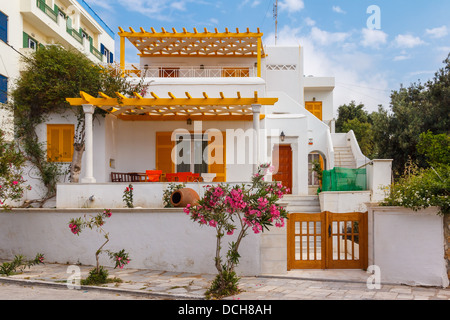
{"points": [[12, 183], [235, 211], [99, 275]]}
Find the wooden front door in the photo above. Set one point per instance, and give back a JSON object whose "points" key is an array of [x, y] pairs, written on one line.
{"points": [[327, 240], [282, 161]]}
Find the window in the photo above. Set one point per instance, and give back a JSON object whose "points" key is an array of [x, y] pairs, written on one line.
{"points": [[109, 55], [60, 139], [32, 44], [194, 150], [3, 27], [190, 151], [313, 180], [3, 89], [29, 42], [315, 108]]}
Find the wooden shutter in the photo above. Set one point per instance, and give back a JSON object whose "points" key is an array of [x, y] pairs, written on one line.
{"points": [[60, 139], [315, 108], [164, 146], [3, 89], [219, 168], [3, 27]]}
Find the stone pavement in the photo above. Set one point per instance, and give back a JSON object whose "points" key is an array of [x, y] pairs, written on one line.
{"points": [[295, 285]]}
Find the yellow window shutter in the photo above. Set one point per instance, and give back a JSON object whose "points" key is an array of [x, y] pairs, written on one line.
{"points": [[164, 146], [315, 107], [218, 168], [60, 139]]}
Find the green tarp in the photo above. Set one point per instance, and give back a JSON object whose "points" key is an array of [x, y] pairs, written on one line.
{"points": [[344, 179]]}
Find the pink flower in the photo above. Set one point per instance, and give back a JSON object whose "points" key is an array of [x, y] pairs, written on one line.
{"points": [[213, 223], [230, 232], [15, 182]]}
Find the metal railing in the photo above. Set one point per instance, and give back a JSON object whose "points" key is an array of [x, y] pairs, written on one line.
{"points": [[47, 10], [190, 71]]}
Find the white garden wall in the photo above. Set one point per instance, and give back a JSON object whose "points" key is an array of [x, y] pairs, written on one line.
{"points": [[158, 239], [408, 246]]}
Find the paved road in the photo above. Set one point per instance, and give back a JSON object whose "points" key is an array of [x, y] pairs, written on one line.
{"points": [[160, 285], [38, 292]]}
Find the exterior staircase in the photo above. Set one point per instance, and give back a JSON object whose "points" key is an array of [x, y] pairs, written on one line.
{"points": [[301, 204], [343, 157]]}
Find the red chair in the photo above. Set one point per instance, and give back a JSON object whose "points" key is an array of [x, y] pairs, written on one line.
{"points": [[171, 177], [184, 176], [153, 175]]}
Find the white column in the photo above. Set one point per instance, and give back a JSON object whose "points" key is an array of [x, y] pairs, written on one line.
{"points": [[256, 108], [89, 144]]}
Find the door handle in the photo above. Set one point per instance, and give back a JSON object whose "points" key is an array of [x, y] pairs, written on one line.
{"points": [[329, 230]]}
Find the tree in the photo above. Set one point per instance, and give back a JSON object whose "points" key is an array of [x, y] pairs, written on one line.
{"points": [[53, 74], [350, 112], [414, 110], [354, 117], [435, 148]]}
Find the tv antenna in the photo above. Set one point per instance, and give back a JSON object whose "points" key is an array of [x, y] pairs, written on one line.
{"points": [[275, 16]]}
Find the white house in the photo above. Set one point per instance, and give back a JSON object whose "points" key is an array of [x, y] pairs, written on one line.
{"points": [[26, 25], [215, 103]]}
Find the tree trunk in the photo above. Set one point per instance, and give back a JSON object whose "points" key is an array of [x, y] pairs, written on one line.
{"points": [[75, 167]]}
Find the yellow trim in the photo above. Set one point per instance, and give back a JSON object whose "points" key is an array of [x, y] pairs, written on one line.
{"points": [[259, 57], [122, 55], [204, 44], [173, 106]]}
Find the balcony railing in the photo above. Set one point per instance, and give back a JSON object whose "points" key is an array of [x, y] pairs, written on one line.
{"points": [[47, 10], [190, 71], [53, 14]]}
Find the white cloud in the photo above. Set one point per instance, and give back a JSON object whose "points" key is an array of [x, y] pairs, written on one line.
{"points": [[401, 57], [310, 22], [292, 5], [338, 10], [179, 5], [324, 37], [160, 9], [437, 32], [373, 38], [408, 41]]}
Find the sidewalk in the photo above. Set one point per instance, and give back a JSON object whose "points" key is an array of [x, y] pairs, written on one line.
{"points": [[295, 285]]}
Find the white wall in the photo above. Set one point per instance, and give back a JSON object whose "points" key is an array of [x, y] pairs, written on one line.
{"points": [[288, 81], [343, 202], [155, 239], [408, 246]]}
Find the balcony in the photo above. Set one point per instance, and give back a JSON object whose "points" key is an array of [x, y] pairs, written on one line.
{"points": [[54, 26], [239, 71]]}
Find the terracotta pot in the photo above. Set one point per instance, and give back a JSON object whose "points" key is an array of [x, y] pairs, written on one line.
{"points": [[183, 197]]}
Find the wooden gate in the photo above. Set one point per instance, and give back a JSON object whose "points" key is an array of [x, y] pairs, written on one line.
{"points": [[327, 240]]}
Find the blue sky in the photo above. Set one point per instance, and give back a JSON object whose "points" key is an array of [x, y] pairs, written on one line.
{"points": [[409, 44]]}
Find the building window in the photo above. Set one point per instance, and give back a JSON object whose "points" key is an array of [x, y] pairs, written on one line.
{"points": [[32, 44], [190, 151], [3, 27], [29, 42], [313, 180], [3, 89], [60, 139], [109, 55]]}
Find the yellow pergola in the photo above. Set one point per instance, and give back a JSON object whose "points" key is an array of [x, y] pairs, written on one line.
{"points": [[193, 44], [204, 108], [171, 108]]}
